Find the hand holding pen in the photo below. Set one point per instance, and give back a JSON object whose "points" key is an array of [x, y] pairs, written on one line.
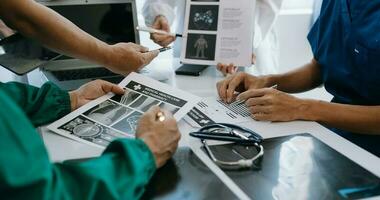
{"points": [[160, 31]]}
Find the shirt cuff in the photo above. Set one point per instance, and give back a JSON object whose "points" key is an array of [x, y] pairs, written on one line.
{"points": [[62, 101]]}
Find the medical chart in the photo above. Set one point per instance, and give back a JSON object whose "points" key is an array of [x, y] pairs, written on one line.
{"points": [[116, 116], [218, 31], [210, 110]]}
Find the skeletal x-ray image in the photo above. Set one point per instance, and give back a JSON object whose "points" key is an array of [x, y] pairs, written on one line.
{"points": [[129, 124], [144, 103], [107, 112], [169, 107], [91, 131], [201, 46], [128, 97], [204, 17]]}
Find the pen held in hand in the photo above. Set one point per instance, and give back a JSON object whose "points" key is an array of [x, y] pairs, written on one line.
{"points": [[152, 30]]}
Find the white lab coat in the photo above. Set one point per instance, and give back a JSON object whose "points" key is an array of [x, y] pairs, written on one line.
{"points": [[265, 45]]}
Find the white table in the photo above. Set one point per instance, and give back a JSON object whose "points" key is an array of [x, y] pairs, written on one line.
{"points": [[61, 148]]}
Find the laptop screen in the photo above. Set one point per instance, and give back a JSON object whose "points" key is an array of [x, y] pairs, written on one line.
{"points": [[110, 22]]}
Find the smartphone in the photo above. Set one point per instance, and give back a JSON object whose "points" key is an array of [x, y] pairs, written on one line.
{"points": [[190, 70]]}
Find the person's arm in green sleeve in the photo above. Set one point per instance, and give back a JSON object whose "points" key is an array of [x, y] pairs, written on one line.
{"points": [[26, 172], [41, 105], [48, 103], [120, 173]]}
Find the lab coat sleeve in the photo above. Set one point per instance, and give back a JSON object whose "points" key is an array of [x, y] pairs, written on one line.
{"points": [[154, 8], [266, 13], [41, 105]]}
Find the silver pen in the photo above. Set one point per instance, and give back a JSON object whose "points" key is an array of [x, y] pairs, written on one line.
{"points": [[239, 102]]}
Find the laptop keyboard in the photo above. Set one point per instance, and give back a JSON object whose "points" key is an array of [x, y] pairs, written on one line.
{"points": [[89, 73]]}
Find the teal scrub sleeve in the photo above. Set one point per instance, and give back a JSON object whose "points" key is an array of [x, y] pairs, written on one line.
{"points": [[41, 105], [121, 172]]}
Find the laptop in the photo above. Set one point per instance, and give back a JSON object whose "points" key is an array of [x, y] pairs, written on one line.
{"points": [[111, 21]]}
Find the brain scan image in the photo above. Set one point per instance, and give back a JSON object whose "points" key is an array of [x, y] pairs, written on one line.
{"points": [[203, 17], [203, 20]]}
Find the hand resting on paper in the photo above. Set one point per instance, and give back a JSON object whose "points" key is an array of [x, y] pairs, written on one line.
{"points": [[91, 91], [265, 103], [161, 137], [227, 69]]}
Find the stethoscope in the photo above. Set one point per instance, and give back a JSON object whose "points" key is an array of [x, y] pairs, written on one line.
{"points": [[232, 133]]}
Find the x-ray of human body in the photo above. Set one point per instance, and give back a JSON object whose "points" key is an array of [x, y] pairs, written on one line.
{"points": [[107, 112], [201, 45]]}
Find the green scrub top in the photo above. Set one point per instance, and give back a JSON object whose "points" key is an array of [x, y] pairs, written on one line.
{"points": [[121, 172]]}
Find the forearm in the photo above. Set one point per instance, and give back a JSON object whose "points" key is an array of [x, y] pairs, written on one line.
{"points": [[357, 119], [54, 31], [41, 105], [299, 80]]}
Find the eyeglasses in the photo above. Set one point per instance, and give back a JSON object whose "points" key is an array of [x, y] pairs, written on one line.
{"points": [[245, 152]]}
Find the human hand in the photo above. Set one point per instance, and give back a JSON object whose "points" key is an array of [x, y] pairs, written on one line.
{"points": [[161, 23], [162, 137], [226, 69], [125, 58], [231, 68], [5, 30], [239, 82], [91, 91], [269, 104]]}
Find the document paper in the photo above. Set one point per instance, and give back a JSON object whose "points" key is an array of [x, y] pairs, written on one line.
{"points": [[212, 110], [218, 31], [114, 116]]}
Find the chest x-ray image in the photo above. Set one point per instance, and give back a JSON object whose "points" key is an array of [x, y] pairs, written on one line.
{"points": [[204, 17], [201, 46]]}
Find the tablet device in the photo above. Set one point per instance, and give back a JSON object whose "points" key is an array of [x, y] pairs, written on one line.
{"points": [[22, 55]]}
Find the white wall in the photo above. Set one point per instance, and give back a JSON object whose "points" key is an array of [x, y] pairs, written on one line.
{"points": [[292, 27]]}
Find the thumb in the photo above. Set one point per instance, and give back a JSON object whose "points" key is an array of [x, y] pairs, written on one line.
{"points": [[149, 56]]}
